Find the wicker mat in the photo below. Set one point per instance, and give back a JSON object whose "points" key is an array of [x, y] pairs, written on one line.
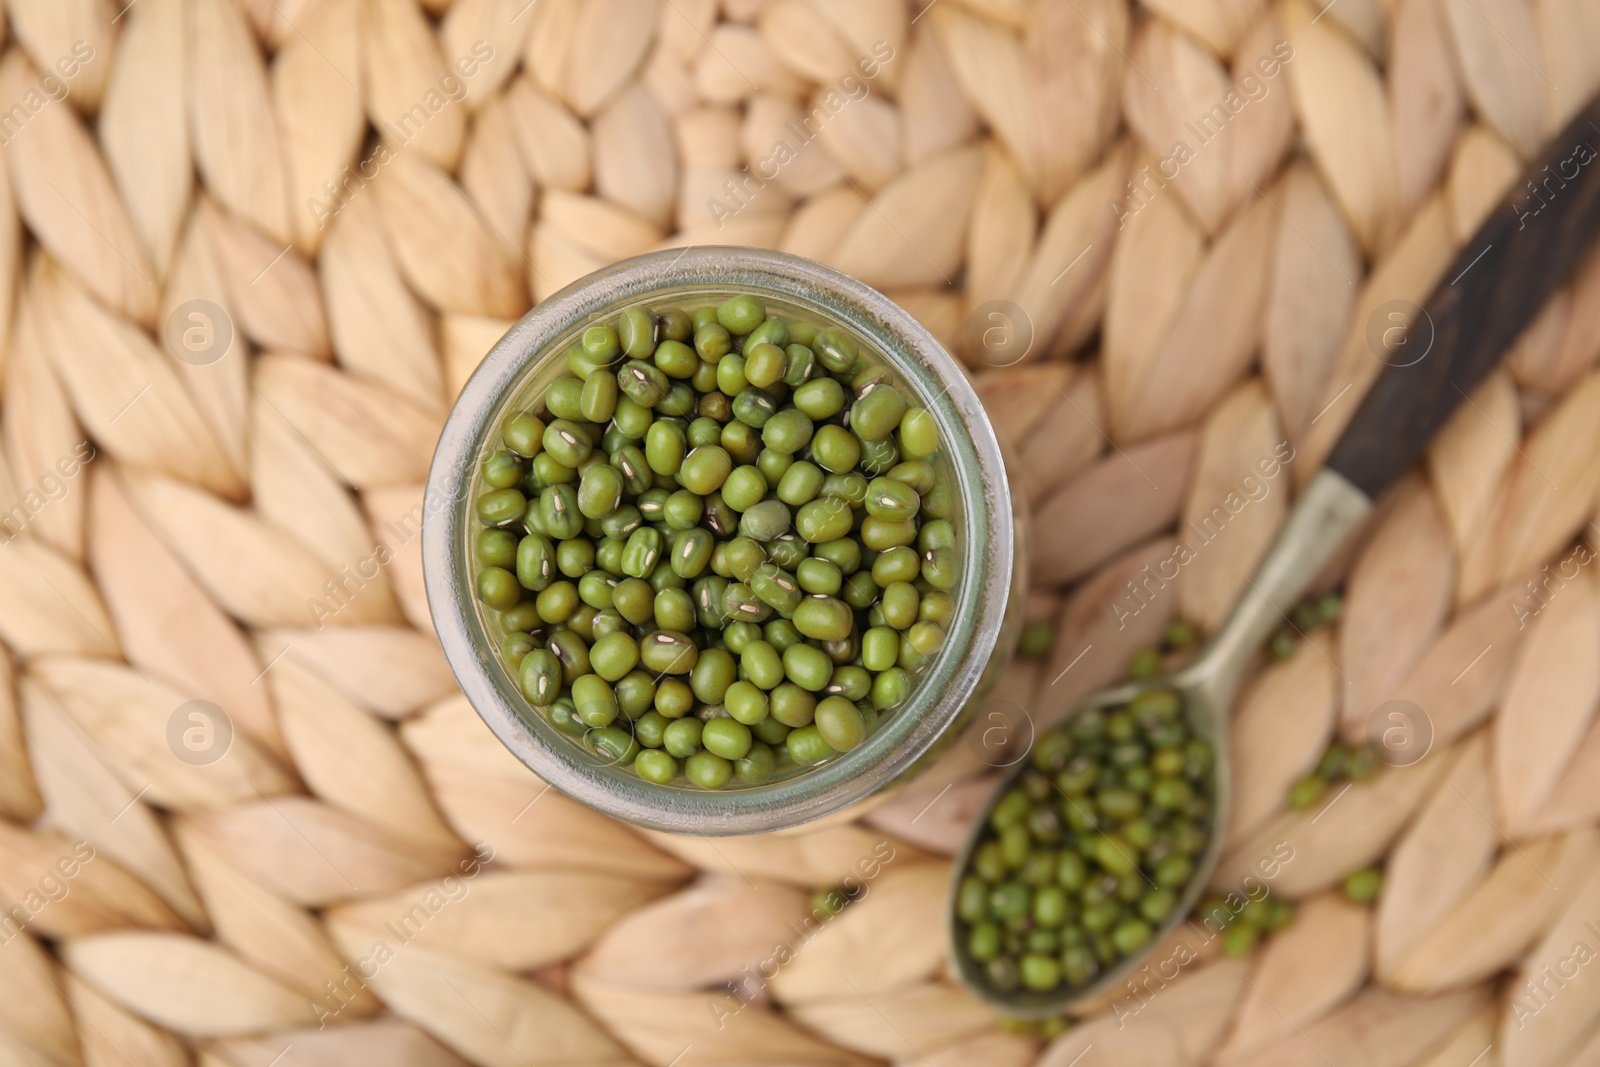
{"points": [[250, 249]]}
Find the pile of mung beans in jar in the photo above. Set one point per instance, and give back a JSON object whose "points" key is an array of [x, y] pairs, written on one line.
{"points": [[719, 546], [1087, 854]]}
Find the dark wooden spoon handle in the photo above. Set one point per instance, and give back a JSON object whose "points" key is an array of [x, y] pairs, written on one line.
{"points": [[1525, 251]]}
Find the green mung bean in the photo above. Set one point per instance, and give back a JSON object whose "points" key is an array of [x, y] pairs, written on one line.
{"points": [[1084, 857], [718, 549]]}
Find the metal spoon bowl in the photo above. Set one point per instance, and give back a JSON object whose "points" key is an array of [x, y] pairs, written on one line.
{"points": [[1325, 514], [1026, 1004]]}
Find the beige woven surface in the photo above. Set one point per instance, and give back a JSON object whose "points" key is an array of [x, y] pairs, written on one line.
{"points": [[361, 194]]}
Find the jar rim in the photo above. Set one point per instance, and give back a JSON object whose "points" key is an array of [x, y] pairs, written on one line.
{"points": [[947, 681]]}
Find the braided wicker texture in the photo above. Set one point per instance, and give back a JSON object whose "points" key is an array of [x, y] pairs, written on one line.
{"points": [[249, 251]]}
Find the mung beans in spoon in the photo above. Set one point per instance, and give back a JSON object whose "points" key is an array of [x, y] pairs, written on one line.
{"points": [[1086, 855]]}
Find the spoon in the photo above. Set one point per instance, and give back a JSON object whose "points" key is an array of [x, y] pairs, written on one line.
{"points": [[1435, 355]]}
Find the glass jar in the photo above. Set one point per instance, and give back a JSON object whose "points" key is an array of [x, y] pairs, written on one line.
{"points": [[949, 688]]}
